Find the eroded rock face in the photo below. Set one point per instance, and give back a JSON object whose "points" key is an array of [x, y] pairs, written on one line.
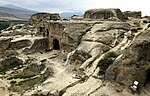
{"points": [[134, 14], [20, 44], [133, 64], [4, 44], [76, 17], [98, 40], [38, 17], [38, 45], [104, 14], [67, 35]]}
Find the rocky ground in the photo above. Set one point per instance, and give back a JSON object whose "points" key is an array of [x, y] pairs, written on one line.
{"points": [[110, 57]]}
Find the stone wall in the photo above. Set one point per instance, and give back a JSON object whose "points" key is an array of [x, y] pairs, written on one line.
{"points": [[103, 14], [66, 33]]}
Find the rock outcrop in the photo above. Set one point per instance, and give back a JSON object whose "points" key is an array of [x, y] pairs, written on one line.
{"points": [[66, 36], [105, 14], [101, 38], [103, 54], [4, 44], [133, 64], [15, 45], [134, 14], [39, 17]]}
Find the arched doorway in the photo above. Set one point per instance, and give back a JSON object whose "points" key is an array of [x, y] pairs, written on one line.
{"points": [[56, 44]]}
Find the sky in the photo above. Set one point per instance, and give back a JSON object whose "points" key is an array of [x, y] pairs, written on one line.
{"points": [[81, 5]]}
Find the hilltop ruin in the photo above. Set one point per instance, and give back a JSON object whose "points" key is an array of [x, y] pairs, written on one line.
{"points": [[101, 53]]}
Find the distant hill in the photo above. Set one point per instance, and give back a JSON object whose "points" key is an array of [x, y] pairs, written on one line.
{"points": [[69, 14], [11, 12]]}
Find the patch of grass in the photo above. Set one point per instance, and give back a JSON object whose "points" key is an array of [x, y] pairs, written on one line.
{"points": [[26, 84], [8, 67], [110, 54], [21, 76], [27, 73]]}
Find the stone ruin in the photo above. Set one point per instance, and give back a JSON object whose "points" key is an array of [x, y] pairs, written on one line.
{"points": [[134, 14], [38, 17], [103, 14]]}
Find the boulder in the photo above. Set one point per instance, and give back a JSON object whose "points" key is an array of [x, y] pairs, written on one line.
{"points": [[4, 43], [103, 14], [133, 64]]}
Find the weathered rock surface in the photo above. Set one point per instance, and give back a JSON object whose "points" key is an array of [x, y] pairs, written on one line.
{"points": [[98, 40], [134, 14], [103, 14], [133, 64], [40, 44], [102, 49], [67, 34], [4, 44], [15, 45], [38, 17], [76, 17]]}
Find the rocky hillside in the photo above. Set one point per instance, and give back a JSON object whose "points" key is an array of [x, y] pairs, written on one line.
{"points": [[104, 54], [7, 13]]}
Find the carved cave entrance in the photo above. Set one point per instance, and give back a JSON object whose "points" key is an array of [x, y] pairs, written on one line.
{"points": [[56, 44]]}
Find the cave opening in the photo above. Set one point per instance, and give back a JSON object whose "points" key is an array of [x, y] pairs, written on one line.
{"points": [[56, 44]]}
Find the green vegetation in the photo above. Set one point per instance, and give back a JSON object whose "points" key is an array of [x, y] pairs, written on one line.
{"points": [[26, 84], [26, 73], [80, 37], [5, 68], [13, 82], [6, 24], [21, 76], [106, 61]]}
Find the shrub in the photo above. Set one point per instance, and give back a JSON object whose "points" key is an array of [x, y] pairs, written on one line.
{"points": [[106, 61], [12, 82]]}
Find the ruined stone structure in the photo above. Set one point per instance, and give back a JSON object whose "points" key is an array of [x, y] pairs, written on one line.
{"points": [[38, 20], [66, 35], [134, 14], [105, 14]]}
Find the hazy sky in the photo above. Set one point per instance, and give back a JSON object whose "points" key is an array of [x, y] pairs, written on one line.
{"points": [[81, 5]]}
